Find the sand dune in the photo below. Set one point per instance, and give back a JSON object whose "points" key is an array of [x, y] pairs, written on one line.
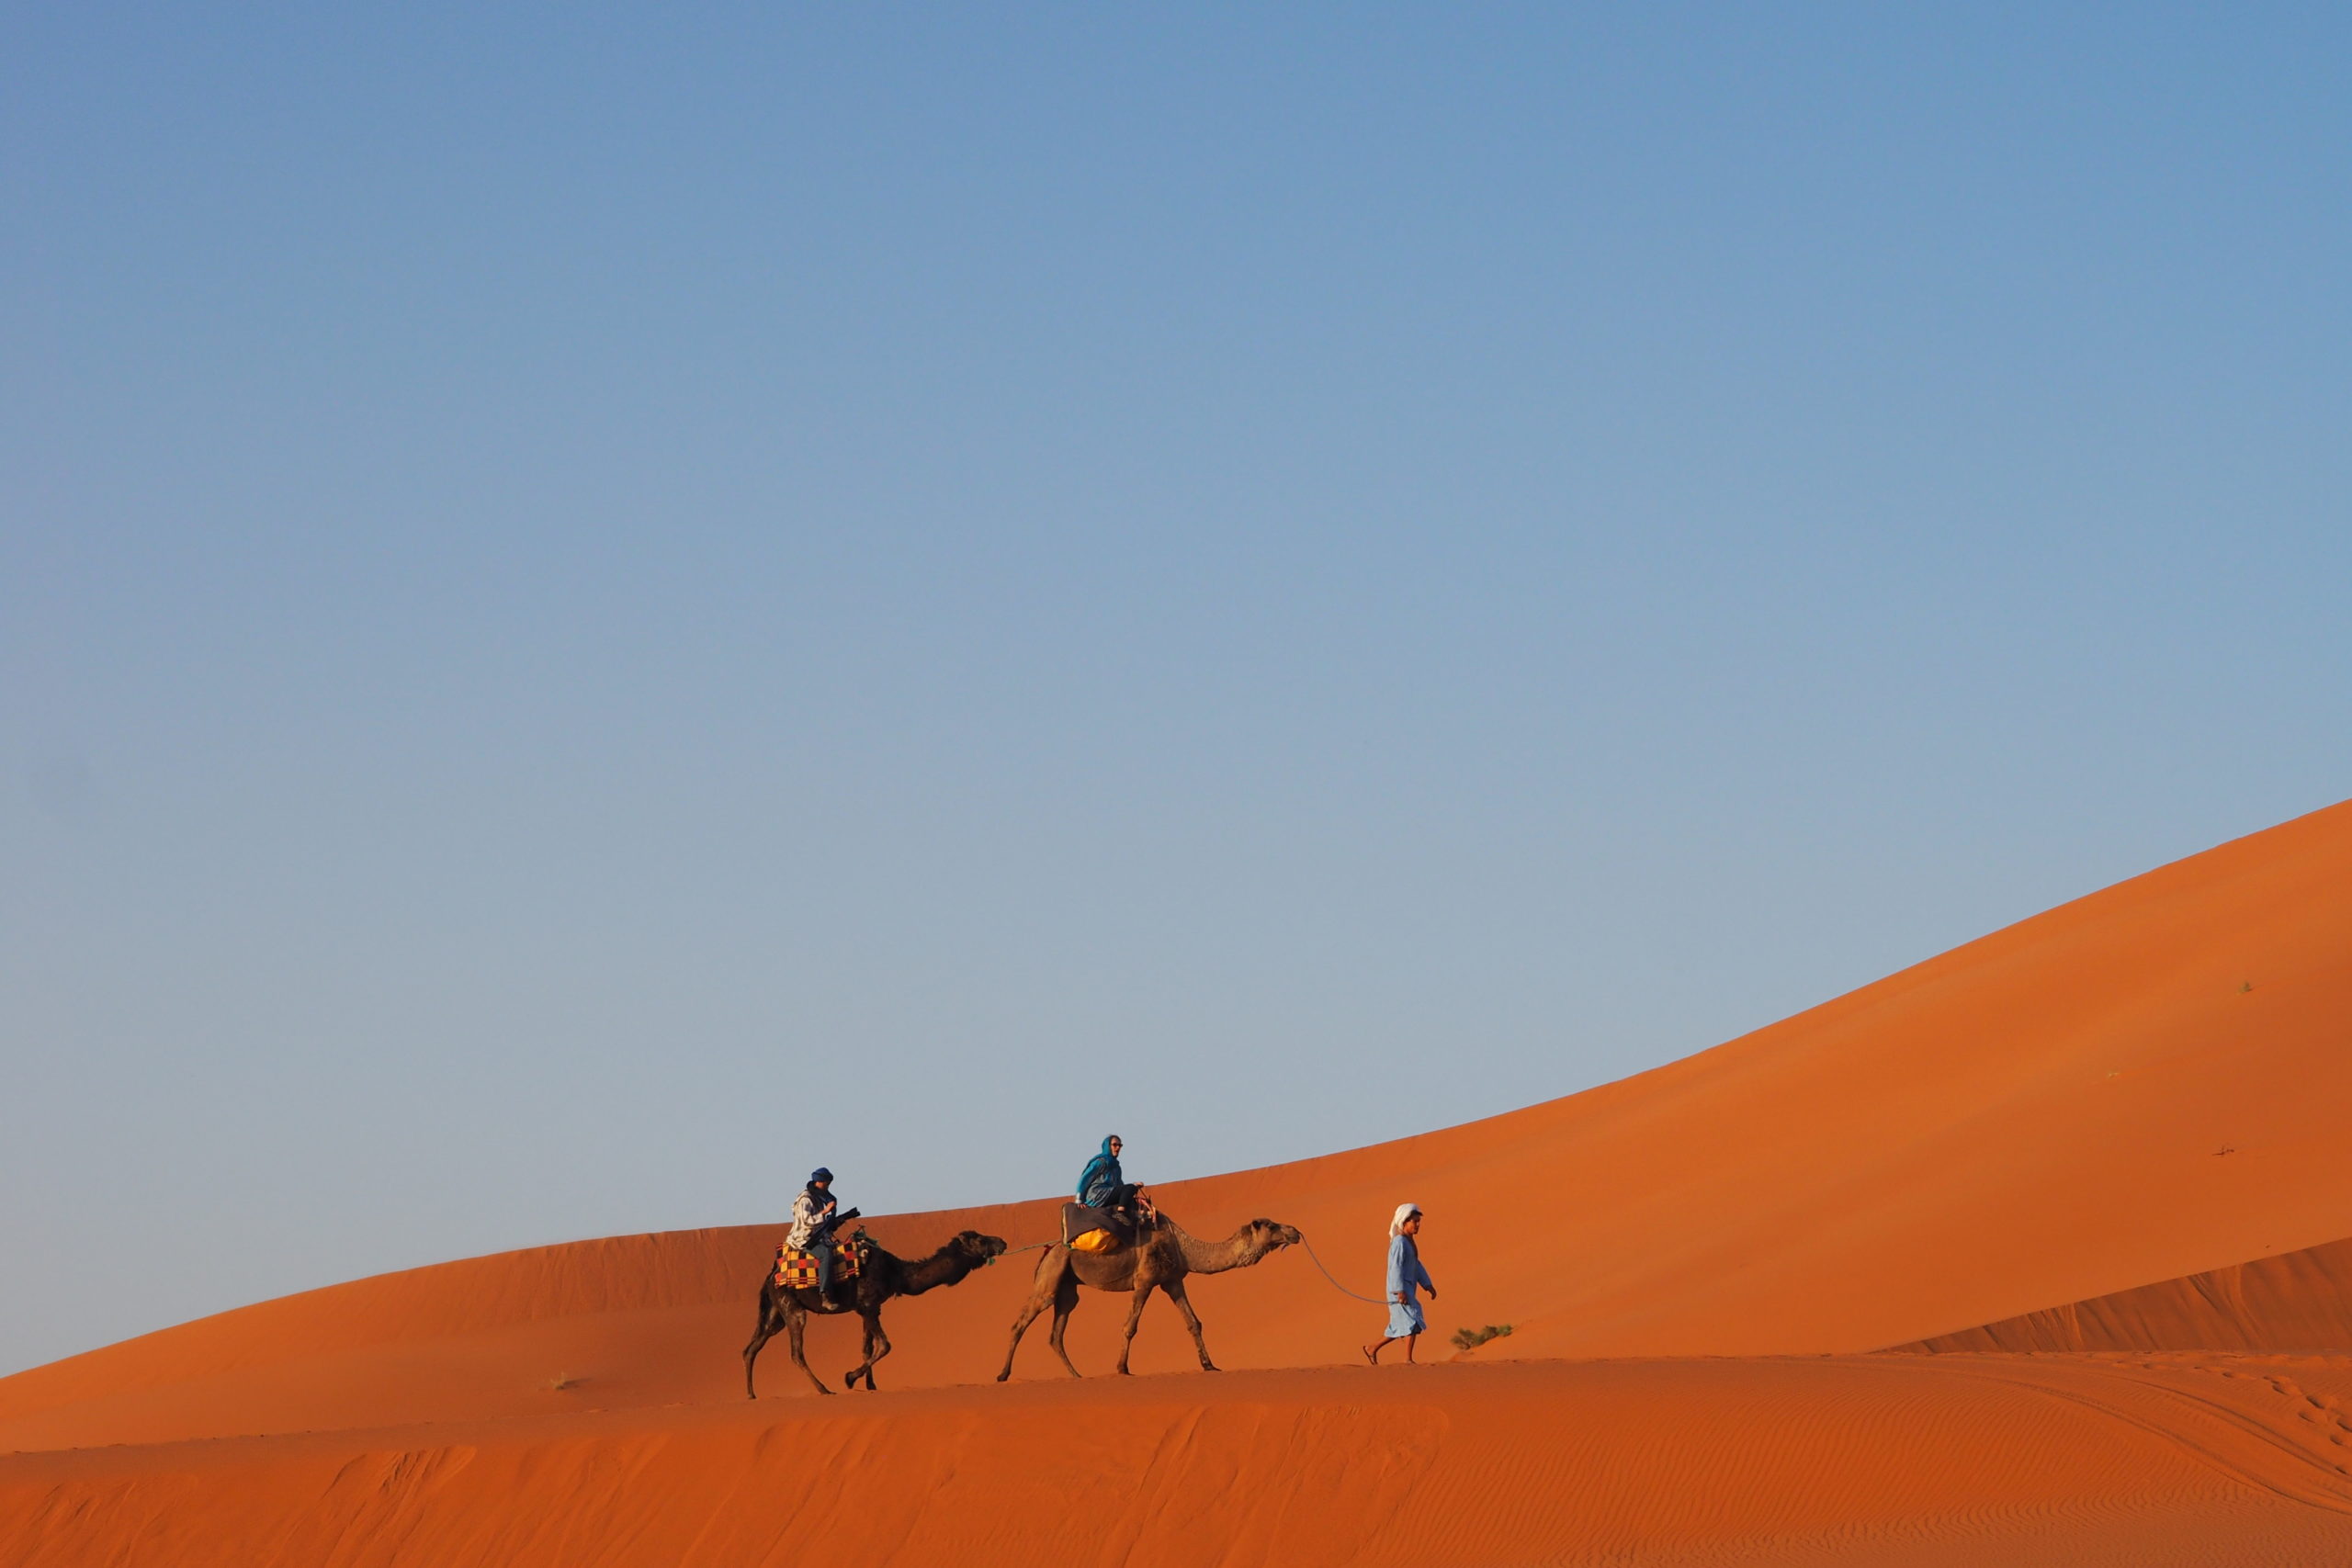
{"points": [[1853, 1459], [2299, 1300], [2146, 1084]]}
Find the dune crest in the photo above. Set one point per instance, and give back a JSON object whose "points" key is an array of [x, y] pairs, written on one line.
{"points": [[2298, 1301]]}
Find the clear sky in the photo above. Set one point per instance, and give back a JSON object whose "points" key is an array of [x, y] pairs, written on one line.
{"points": [[598, 605]]}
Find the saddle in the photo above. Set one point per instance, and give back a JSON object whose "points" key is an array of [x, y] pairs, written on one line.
{"points": [[796, 1270], [1087, 1229]]}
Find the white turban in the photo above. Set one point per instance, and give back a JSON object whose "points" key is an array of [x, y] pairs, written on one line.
{"points": [[1404, 1212]]}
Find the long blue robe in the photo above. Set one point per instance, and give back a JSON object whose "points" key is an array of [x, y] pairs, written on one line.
{"points": [[1406, 1278]]}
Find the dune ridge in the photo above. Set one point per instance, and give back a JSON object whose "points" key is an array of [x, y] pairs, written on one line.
{"points": [[2296, 1300]]}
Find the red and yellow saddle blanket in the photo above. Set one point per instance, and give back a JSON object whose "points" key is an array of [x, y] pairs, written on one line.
{"points": [[798, 1269]]}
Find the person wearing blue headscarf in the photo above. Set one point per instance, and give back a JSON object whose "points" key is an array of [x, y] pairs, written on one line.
{"points": [[1106, 1201], [1099, 1184]]}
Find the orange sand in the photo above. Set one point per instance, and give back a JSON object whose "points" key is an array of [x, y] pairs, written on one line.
{"points": [[1851, 1460], [2303, 1299], [2035, 1119]]}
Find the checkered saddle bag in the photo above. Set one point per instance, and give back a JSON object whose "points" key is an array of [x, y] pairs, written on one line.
{"points": [[796, 1269]]}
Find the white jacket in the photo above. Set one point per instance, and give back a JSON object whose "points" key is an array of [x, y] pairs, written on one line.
{"points": [[807, 1215]]}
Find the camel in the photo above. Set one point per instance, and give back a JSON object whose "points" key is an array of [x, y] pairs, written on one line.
{"points": [[881, 1275], [1159, 1260]]}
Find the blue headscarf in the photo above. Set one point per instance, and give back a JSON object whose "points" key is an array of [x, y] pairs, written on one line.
{"points": [[1101, 1181]]}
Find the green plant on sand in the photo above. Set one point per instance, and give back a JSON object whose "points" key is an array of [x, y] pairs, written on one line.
{"points": [[1471, 1338]]}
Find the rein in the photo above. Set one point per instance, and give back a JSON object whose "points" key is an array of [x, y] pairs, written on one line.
{"points": [[1335, 1284]]}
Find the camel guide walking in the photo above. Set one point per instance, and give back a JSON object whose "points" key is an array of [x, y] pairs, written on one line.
{"points": [[815, 1213], [1405, 1275]]}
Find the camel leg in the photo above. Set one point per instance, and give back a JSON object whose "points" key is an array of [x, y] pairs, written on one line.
{"points": [[1041, 1291], [1065, 1302], [871, 1323], [794, 1320], [762, 1332], [1175, 1289], [1135, 1316], [882, 1339], [866, 1338]]}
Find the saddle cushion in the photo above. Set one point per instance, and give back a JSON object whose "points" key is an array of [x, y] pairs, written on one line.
{"points": [[796, 1269]]}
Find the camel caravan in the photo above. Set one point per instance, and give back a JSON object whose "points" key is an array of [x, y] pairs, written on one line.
{"points": [[1114, 1238]]}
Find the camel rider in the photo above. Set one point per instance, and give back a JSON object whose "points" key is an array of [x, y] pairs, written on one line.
{"points": [[1106, 1198], [1103, 1185], [815, 1215]]}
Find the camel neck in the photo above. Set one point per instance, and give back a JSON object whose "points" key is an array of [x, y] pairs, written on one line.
{"points": [[1214, 1256], [941, 1267]]}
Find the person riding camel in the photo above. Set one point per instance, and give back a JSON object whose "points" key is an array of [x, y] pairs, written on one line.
{"points": [[1106, 1198], [816, 1214], [1102, 1184]]}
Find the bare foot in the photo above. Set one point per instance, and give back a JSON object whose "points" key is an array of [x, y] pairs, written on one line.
{"points": [[1370, 1354]]}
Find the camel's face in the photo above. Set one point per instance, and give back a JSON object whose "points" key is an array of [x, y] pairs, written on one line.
{"points": [[979, 1249], [1273, 1235]]}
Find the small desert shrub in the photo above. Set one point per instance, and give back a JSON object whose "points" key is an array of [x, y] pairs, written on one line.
{"points": [[1471, 1338]]}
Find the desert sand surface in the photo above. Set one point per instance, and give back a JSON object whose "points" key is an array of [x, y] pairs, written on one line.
{"points": [[1846, 1459], [2093, 1161], [2301, 1298]]}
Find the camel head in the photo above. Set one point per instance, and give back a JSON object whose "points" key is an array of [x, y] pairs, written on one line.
{"points": [[976, 1251], [1268, 1236]]}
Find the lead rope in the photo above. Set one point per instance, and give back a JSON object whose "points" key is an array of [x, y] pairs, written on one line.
{"points": [[1335, 1284]]}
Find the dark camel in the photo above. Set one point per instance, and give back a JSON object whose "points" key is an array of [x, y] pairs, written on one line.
{"points": [[880, 1277], [1159, 1260]]}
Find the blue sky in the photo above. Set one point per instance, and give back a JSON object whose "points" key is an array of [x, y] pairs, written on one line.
{"points": [[597, 607]]}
